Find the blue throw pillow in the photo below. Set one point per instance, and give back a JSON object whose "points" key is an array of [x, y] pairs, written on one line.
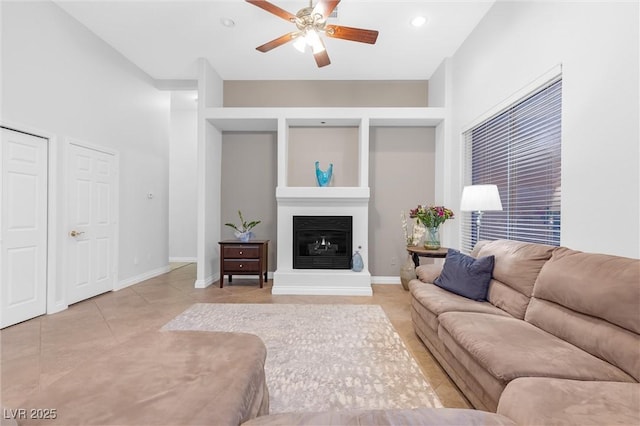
{"points": [[465, 275]]}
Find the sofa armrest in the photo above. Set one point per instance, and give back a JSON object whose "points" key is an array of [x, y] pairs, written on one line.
{"points": [[428, 273], [541, 400]]}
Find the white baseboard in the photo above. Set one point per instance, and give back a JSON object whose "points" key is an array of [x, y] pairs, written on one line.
{"points": [[142, 277], [207, 281], [385, 280], [183, 259]]}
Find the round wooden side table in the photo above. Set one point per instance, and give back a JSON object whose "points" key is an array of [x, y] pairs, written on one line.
{"points": [[417, 252]]}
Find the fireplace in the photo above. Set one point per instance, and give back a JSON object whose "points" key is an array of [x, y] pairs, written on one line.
{"points": [[325, 204], [322, 242]]}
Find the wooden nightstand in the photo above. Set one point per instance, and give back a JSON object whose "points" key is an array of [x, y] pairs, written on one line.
{"points": [[244, 258]]}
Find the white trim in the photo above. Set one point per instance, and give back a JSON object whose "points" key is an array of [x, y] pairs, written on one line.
{"points": [[141, 277], [323, 291], [385, 280], [183, 259], [60, 304], [83, 144], [207, 281], [528, 89]]}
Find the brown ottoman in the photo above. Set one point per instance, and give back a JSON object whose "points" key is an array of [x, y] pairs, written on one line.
{"points": [[162, 378]]}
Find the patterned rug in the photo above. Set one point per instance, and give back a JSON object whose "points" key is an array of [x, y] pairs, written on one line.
{"points": [[323, 357]]}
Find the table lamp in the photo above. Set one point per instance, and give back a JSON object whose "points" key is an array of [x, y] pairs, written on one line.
{"points": [[479, 199]]}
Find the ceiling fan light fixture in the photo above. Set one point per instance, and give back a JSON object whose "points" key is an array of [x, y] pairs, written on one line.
{"points": [[300, 44], [313, 40], [310, 22]]}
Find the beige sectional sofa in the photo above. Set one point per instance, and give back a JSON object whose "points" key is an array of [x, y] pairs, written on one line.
{"points": [[556, 340]]}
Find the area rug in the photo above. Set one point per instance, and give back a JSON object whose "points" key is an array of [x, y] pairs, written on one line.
{"points": [[323, 357]]}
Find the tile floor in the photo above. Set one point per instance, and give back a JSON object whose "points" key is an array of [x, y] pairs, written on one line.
{"points": [[36, 352]]}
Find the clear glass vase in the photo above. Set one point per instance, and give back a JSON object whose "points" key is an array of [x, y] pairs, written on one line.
{"points": [[432, 238]]}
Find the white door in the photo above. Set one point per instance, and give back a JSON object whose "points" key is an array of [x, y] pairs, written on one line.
{"points": [[90, 215], [23, 207]]}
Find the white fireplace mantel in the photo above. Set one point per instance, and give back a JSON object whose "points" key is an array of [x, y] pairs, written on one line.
{"points": [[325, 201], [326, 195], [322, 201]]}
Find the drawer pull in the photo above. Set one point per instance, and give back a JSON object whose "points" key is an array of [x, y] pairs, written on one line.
{"points": [[241, 252], [241, 265]]}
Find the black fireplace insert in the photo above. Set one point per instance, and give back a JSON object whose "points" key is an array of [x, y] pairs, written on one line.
{"points": [[322, 242]]}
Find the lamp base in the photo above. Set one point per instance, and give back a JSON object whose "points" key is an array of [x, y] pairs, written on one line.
{"points": [[479, 214]]}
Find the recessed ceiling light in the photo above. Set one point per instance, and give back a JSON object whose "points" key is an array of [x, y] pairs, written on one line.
{"points": [[227, 22], [418, 21]]}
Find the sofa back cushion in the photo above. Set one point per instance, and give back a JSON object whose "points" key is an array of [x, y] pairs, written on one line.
{"points": [[516, 268], [593, 302]]}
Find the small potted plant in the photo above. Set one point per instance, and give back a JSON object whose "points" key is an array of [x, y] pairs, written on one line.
{"points": [[243, 232]]}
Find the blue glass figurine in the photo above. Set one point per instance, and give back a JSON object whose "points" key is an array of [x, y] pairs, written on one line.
{"points": [[323, 177]]}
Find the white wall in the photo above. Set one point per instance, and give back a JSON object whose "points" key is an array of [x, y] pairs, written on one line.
{"points": [[60, 78], [597, 44], [183, 178], [210, 94]]}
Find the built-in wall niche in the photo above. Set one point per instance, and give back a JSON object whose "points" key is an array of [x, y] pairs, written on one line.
{"points": [[337, 145]]}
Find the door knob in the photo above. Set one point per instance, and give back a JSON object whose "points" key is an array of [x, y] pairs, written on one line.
{"points": [[75, 233]]}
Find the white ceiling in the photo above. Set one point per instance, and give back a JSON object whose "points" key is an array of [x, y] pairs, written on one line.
{"points": [[165, 38]]}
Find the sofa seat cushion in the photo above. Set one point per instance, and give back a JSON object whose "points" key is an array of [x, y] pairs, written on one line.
{"points": [[438, 301], [417, 416], [163, 378], [570, 402], [509, 348]]}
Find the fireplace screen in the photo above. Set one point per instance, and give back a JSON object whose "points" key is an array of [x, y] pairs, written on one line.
{"points": [[322, 242]]}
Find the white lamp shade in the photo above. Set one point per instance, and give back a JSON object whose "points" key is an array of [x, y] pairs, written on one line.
{"points": [[480, 198]]}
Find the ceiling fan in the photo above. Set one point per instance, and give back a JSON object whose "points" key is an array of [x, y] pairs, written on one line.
{"points": [[311, 21]]}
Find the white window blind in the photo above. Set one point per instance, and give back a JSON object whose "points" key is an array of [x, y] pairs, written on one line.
{"points": [[518, 150]]}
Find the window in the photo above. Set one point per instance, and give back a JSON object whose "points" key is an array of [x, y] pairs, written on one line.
{"points": [[519, 151]]}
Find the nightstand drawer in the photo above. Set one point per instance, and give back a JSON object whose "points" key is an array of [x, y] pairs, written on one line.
{"points": [[241, 252], [241, 265]]}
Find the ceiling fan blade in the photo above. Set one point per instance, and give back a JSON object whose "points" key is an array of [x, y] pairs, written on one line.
{"points": [[272, 8], [278, 42], [352, 34], [322, 57], [325, 7]]}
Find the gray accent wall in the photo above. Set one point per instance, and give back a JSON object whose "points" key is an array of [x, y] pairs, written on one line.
{"points": [[326, 93], [249, 179], [332, 145], [401, 176]]}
